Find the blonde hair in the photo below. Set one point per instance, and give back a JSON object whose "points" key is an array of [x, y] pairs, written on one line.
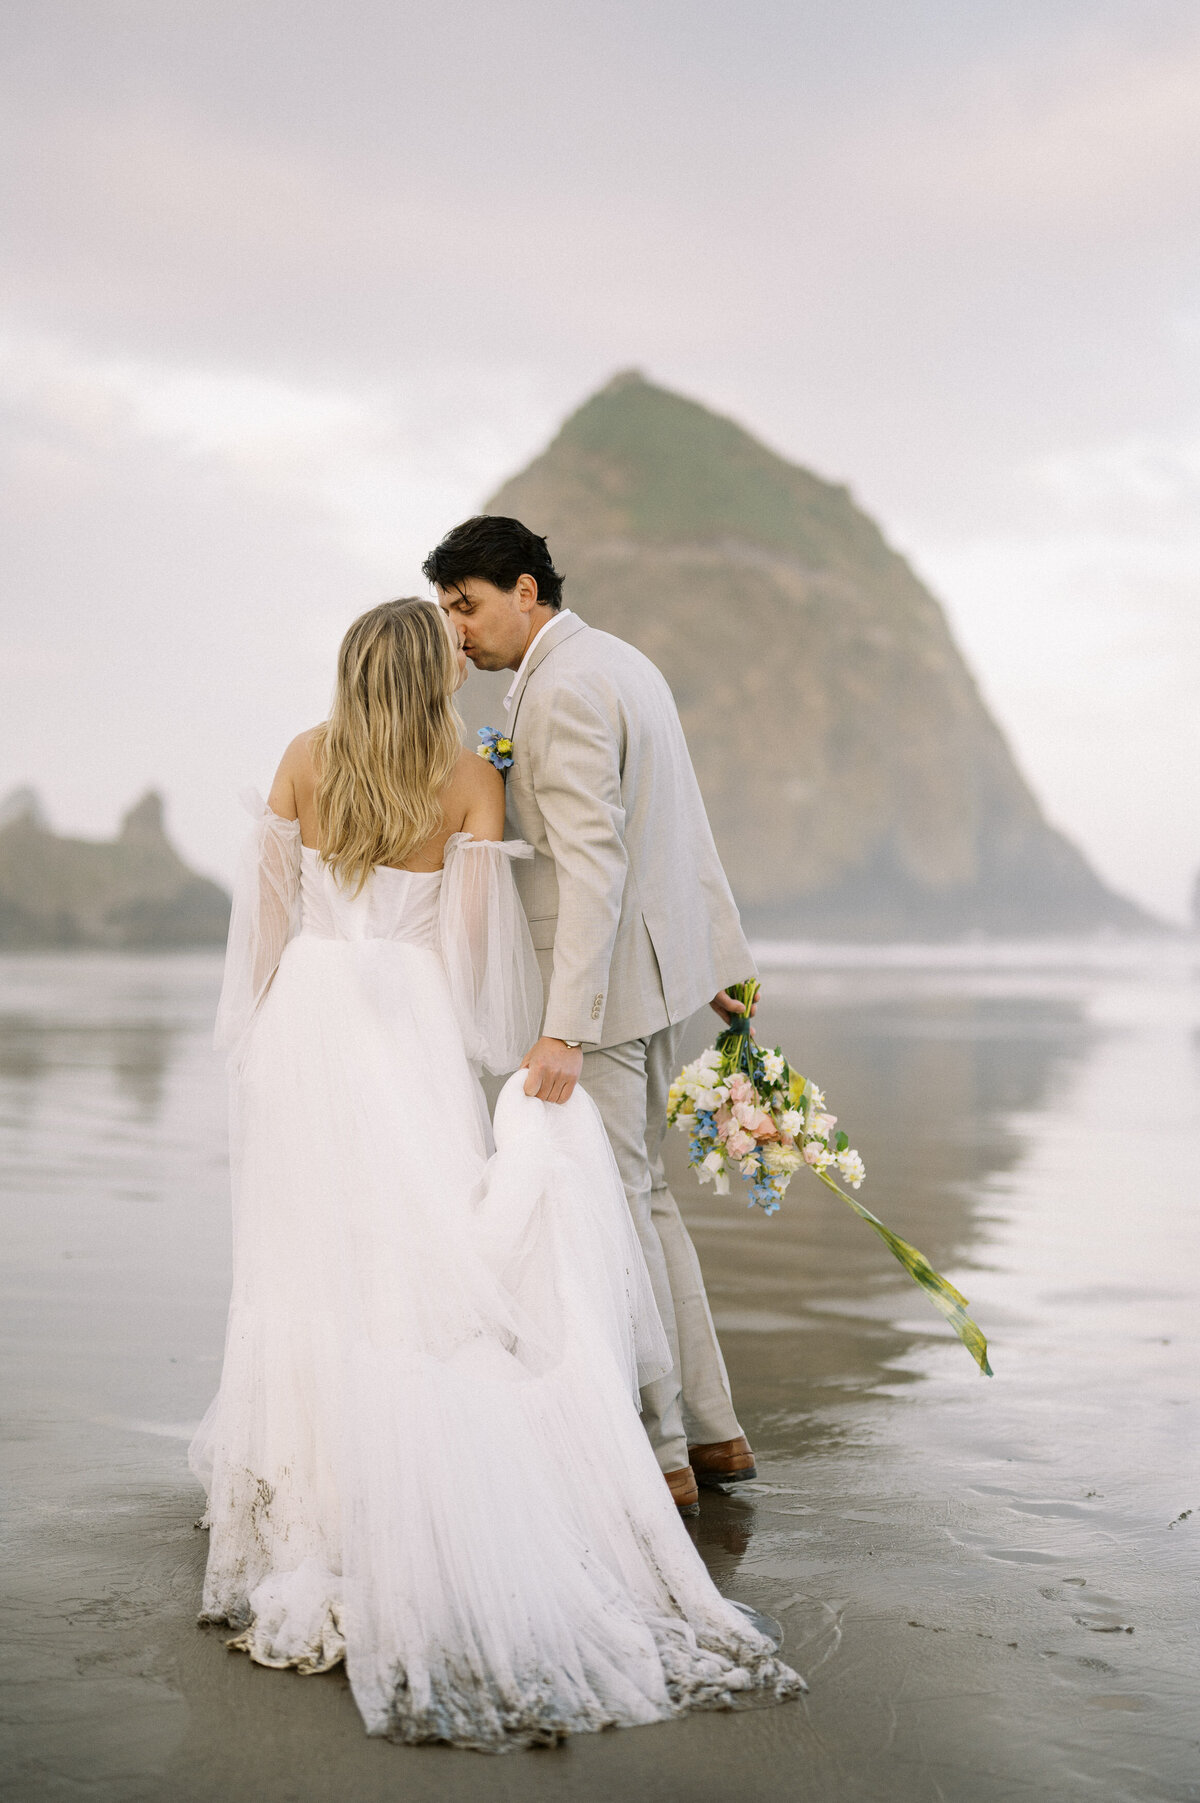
{"points": [[391, 742]]}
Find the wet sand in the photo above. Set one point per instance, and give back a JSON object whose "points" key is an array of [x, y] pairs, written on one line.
{"points": [[991, 1586]]}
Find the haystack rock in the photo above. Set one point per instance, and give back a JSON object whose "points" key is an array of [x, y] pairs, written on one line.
{"points": [[856, 783], [131, 892]]}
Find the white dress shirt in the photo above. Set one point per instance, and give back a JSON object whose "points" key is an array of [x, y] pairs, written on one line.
{"points": [[564, 613]]}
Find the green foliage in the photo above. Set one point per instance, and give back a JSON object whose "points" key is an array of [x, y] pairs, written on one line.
{"points": [[684, 473]]}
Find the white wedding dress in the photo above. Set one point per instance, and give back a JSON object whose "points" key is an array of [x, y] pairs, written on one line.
{"points": [[425, 1456]]}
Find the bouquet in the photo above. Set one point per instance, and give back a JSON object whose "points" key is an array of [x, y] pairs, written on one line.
{"points": [[746, 1109]]}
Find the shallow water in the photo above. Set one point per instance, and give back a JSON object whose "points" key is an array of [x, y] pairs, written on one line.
{"points": [[991, 1585]]}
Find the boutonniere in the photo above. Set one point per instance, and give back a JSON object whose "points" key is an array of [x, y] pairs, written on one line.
{"points": [[495, 748]]}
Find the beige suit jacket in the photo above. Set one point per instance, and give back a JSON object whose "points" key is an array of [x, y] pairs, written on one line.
{"points": [[631, 915]]}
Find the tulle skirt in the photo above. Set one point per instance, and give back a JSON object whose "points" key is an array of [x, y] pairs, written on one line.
{"points": [[425, 1457]]}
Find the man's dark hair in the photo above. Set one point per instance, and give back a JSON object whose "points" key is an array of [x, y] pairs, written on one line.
{"points": [[497, 550]]}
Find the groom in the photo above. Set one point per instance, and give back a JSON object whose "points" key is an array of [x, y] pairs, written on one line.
{"points": [[631, 916]]}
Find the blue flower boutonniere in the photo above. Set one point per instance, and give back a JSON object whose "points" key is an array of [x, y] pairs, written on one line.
{"points": [[495, 748]]}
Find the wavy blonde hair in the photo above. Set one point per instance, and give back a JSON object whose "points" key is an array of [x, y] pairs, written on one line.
{"points": [[391, 742]]}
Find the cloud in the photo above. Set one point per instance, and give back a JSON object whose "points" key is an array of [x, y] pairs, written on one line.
{"points": [[1098, 136], [387, 469], [1139, 480], [286, 295]]}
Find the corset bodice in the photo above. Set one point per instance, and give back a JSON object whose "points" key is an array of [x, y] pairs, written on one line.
{"points": [[392, 904]]}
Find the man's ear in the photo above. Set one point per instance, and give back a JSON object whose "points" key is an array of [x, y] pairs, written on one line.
{"points": [[527, 593]]}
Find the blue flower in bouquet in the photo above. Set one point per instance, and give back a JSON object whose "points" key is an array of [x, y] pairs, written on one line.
{"points": [[495, 748]]}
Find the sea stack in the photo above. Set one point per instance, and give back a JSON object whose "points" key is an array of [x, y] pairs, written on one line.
{"points": [[131, 892], [856, 782]]}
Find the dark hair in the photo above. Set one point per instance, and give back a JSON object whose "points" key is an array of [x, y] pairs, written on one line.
{"points": [[497, 550]]}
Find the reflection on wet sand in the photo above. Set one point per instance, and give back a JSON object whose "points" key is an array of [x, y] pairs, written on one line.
{"points": [[137, 1056], [932, 1088], [987, 1584]]}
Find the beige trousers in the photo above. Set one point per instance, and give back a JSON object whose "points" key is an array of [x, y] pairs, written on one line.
{"points": [[629, 1083]]}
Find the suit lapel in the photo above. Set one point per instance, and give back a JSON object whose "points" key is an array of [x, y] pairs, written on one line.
{"points": [[543, 647]]}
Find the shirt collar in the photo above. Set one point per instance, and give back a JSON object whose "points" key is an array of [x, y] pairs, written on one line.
{"points": [[564, 613]]}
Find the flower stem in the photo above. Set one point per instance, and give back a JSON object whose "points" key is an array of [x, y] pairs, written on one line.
{"points": [[945, 1298]]}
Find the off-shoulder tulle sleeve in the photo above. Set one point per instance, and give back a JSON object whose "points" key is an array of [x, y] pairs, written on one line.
{"points": [[266, 909], [488, 955]]}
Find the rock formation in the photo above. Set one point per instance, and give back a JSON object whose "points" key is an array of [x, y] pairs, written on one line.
{"points": [[856, 783], [130, 892]]}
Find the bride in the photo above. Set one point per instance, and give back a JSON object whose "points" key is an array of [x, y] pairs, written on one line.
{"points": [[425, 1457]]}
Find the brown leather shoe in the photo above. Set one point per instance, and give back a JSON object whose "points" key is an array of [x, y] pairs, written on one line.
{"points": [[682, 1485], [726, 1462]]}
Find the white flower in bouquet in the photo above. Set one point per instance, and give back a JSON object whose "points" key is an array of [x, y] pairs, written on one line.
{"points": [[711, 1169], [781, 1160], [709, 1060], [774, 1064], [792, 1121], [710, 1099], [817, 1155], [852, 1167], [822, 1124], [749, 1166]]}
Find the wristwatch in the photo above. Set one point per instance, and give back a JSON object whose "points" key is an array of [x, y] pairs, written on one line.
{"points": [[572, 1045]]}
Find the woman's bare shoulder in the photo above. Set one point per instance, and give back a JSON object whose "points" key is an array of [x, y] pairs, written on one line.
{"points": [[475, 785], [296, 776], [478, 776], [301, 747]]}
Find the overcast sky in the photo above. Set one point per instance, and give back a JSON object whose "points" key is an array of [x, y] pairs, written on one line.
{"points": [[289, 289]]}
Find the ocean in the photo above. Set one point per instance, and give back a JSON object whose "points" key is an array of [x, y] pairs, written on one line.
{"points": [[990, 1584]]}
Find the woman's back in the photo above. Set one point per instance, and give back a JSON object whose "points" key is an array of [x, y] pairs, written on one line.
{"points": [[471, 802]]}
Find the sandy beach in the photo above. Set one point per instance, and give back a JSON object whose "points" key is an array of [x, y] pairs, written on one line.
{"points": [[989, 1585]]}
